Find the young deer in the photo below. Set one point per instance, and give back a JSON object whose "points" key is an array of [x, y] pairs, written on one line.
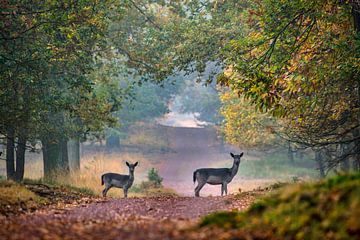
{"points": [[118, 180], [216, 176]]}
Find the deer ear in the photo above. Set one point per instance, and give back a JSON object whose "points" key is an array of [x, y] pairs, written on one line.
{"points": [[232, 155], [241, 154], [136, 164], [127, 164]]}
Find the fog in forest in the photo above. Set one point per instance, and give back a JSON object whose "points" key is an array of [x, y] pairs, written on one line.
{"points": [[175, 131]]}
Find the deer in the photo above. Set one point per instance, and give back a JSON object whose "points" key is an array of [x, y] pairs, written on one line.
{"points": [[216, 176], [118, 180]]}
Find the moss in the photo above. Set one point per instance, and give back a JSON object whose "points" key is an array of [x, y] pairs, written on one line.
{"points": [[15, 198], [328, 209], [222, 219], [67, 187]]}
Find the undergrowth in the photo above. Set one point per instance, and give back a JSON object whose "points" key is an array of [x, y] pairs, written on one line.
{"points": [[329, 209], [15, 197]]}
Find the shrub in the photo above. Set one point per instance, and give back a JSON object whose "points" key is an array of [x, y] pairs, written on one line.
{"points": [[154, 178]]}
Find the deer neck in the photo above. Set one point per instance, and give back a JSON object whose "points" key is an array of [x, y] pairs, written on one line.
{"points": [[131, 175], [234, 169]]}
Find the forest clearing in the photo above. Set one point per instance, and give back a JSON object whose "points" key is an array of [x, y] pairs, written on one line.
{"points": [[195, 119]]}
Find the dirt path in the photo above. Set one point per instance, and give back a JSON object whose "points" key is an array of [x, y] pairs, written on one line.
{"points": [[144, 218], [133, 218]]}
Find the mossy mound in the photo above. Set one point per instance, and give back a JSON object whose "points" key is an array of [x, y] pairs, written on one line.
{"points": [[329, 209], [16, 198]]}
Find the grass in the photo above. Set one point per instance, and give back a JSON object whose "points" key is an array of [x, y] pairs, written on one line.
{"points": [[88, 181], [59, 184], [15, 197], [277, 166], [329, 209], [93, 167], [138, 191], [150, 189]]}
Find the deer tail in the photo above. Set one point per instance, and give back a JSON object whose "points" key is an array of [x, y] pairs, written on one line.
{"points": [[102, 179], [194, 176]]}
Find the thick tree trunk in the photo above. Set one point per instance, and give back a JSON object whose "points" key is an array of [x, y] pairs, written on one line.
{"points": [[20, 158], [64, 166], [55, 158], [73, 146], [10, 148]]}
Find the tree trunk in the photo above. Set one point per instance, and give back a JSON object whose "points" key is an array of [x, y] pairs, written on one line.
{"points": [[10, 148], [356, 15], [290, 153], [345, 164], [73, 146], [55, 157], [113, 142], [64, 157], [20, 158], [320, 160]]}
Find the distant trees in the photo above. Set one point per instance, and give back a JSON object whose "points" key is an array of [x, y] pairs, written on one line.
{"points": [[146, 102]]}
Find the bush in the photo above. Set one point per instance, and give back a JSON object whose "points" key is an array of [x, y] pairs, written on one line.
{"points": [[154, 178], [153, 187]]}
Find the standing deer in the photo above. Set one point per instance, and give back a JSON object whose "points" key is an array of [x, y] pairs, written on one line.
{"points": [[216, 176], [118, 180]]}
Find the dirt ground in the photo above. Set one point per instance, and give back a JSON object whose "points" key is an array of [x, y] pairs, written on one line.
{"points": [[132, 218], [146, 218]]}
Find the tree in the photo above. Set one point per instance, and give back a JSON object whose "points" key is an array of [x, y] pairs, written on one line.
{"points": [[299, 61], [246, 127], [47, 51], [147, 102], [161, 38]]}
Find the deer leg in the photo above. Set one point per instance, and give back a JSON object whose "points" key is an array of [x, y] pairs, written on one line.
{"points": [[125, 192], [225, 188], [199, 187], [222, 188], [104, 192]]}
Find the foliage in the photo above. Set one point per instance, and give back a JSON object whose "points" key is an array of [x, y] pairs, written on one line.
{"points": [[164, 37], [244, 126], [48, 51], [145, 102], [195, 97], [299, 60], [297, 212], [154, 177]]}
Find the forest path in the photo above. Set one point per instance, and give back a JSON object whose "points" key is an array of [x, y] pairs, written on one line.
{"points": [[194, 148], [132, 218]]}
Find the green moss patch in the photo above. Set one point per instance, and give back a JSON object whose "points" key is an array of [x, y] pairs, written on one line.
{"points": [[15, 198], [329, 209]]}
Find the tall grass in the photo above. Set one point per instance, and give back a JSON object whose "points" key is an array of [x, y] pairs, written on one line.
{"points": [[91, 169]]}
